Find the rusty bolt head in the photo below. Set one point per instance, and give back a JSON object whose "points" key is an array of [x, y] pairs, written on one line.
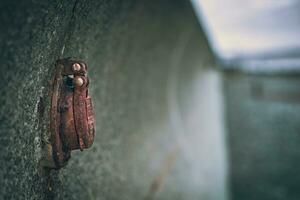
{"points": [[76, 67], [79, 81]]}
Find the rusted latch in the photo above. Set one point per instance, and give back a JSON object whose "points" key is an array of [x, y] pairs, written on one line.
{"points": [[72, 117]]}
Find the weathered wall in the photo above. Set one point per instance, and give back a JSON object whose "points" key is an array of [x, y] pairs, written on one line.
{"points": [[263, 128], [149, 68]]}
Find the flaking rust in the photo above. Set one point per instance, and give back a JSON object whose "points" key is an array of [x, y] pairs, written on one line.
{"points": [[72, 124]]}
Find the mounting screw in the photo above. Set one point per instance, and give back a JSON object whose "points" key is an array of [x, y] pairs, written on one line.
{"points": [[76, 67], [79, 81]]}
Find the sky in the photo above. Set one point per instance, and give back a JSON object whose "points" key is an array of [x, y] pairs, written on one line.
{"points": [[237, 28]]}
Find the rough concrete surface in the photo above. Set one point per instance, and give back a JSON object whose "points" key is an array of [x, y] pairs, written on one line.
{"points": [[147, 61]]}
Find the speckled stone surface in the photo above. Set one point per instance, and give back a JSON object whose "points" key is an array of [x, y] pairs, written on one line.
{"points": [[149, 64]]}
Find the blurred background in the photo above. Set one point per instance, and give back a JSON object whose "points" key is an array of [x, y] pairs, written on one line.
{"points": [[193, 99], [257, 48]]}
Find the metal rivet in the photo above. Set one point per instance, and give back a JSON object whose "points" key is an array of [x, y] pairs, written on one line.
{"points": [[76, 67], [79, 81]]}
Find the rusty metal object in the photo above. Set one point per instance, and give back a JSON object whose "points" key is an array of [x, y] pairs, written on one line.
{"points": [[72, 124]]}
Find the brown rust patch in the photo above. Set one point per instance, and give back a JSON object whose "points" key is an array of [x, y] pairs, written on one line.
{"points": [[159, 180]]}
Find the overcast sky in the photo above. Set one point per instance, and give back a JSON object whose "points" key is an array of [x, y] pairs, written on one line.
{"points": [[242, 27]]}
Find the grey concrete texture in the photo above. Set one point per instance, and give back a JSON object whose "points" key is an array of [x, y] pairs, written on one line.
{"points": [[263, 134], [149, 64]]}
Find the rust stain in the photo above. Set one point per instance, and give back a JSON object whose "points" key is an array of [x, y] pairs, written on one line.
{"points": [[158, 182]]}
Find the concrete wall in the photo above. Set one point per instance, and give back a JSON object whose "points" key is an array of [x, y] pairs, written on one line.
{"points": [[263, 134], [157, 101]]}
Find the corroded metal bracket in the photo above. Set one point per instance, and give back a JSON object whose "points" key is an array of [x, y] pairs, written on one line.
{"points": [[72, 124]]}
